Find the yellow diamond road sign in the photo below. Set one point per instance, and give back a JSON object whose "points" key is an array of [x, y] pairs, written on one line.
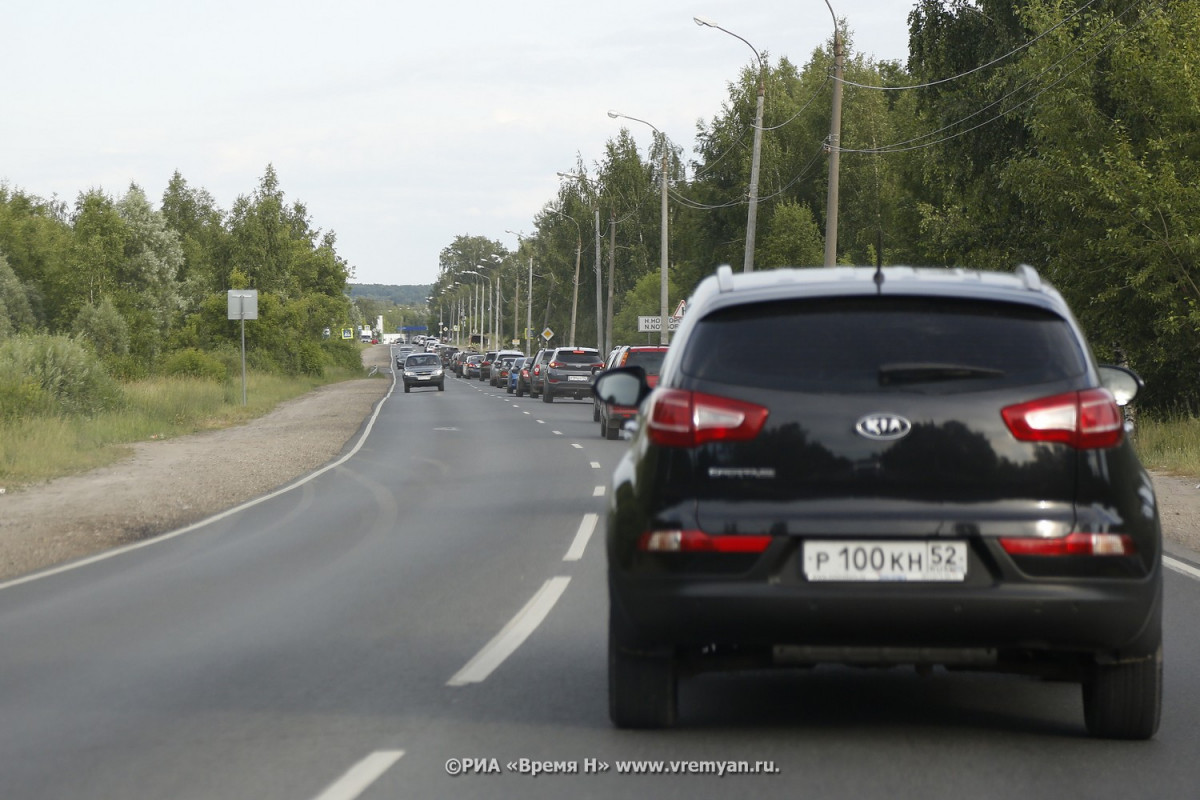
{"points": [[547, 334]]}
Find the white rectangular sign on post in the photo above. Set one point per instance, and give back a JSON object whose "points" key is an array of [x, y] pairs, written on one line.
{"points": [[651, 324], [243, 304]]}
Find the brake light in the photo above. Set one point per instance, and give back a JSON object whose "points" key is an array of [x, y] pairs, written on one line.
{"points": [[1086, 420], [1074, 544], [554, 365], [700, 542], [679, 418]]}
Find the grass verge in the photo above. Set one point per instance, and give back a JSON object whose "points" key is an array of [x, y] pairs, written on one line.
{"points": [[1170, 445], [37, 449]]}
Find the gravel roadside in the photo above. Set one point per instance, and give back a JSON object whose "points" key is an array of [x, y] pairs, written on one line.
{"points": [[171, 483], [167, 484]]}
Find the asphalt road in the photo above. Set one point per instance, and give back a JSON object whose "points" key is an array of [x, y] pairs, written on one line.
{"points": [[434, 604]]}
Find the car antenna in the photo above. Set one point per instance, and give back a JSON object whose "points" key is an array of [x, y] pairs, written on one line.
{"points": [[878, 278]]}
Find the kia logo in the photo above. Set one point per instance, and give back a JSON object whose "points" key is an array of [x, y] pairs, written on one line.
{"points": [[883, 427]]}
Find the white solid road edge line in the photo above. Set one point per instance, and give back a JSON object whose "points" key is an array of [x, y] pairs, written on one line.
{"points": [[513, 635], [1179, 566], [586, 528], [361, 775], [83, 562]]}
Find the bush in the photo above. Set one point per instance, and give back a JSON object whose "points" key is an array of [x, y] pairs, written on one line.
{"points": [[342, 353], [60, 367], [193, 363]]}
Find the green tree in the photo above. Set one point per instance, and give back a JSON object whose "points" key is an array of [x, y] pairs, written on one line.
{"points": [[793, 239], [16, 312]]}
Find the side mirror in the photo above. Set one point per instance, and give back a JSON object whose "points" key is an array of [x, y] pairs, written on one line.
{"points": [[1123, 383], [625, 386]]}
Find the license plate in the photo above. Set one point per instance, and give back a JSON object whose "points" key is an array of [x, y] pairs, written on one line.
{"points": [[885, 561], [577, 377], [424, 377]]}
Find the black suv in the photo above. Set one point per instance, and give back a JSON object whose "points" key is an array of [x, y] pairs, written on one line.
{"points": [[569, 371], [940, 476]]}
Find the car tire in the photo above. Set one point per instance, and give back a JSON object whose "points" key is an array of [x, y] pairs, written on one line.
{"points": [[611, 431], [406, 388], [520, 392], [547, 395], [442, 386], [508, 389], [642, 689], [1124, 700], [595, 413], [603, 428]]}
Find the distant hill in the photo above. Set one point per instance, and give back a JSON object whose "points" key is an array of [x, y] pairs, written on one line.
{"points": [[400, 295]]}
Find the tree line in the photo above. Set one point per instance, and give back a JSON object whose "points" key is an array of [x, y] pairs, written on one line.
{"points": [[1058, 133], [144, 289]]}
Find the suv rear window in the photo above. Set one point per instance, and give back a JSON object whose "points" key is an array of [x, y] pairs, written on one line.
{"points": [[860, 344], [583, 357], [649, 360]]}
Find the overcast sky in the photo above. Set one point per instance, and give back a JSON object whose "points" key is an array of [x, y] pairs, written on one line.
{"points": [[398, 127]]}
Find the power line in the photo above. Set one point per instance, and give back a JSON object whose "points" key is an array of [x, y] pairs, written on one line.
{"points": [[908, 144], [981, 67]]}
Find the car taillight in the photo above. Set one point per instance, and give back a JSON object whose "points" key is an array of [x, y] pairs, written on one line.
{"points": [[554, 365], [1074, 544], [700, 542], [679, 418], [1086, 420]]}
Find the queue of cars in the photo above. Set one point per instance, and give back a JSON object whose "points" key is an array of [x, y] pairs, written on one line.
{"points": [[939, 478]]}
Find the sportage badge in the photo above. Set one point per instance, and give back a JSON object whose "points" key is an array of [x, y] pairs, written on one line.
{"points": [[883, 427]]}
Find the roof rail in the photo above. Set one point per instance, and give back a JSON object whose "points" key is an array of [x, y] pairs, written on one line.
{"points": [[1029, 277], [724, 278]]}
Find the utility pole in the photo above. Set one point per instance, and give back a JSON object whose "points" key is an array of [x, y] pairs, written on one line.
{"points": [[835, 146]]}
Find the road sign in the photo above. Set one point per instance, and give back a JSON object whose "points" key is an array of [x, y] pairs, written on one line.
{"points": [[547, 334], [651, 324], [680, 309], [243, 303]]}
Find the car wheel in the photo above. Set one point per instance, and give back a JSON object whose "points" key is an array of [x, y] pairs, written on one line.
{"points": [[595, 413], [1124, 700], [520, 392], [547, 395], [406, 388], [442, 386], [603, 428], [611, 431], [642, 689]]}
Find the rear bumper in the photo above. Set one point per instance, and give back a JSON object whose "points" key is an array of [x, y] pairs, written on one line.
{"points": [[1095, 616], [563, 388]]}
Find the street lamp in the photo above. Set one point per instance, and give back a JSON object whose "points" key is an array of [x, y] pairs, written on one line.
{"points": [[483, 311], [529, 299], [752, 214], [835, 145], [662, 330]]}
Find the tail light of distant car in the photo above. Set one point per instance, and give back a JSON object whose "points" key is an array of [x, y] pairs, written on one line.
{"points": [[680, 418], [1086, 420]]}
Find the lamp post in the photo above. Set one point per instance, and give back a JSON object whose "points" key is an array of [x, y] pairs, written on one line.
{"points": [[835, 145], [663, 324], [756, 153], [528, 299], [482, 310]]}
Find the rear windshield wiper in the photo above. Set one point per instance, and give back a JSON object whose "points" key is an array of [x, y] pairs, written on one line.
{"points": [[891, 374]]}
